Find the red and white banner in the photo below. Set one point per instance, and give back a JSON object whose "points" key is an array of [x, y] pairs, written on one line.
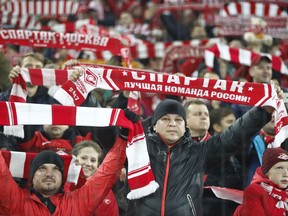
{"points": [[240, 21], [60, 40], [140, 177], [241, 56], [69, 27], [92, 38], [19, 164], [281, 124], [74, 93], [258, 9], [23, 13], [158, 49], [174, 53], [205, 5], [113, 78], [41, 8]]}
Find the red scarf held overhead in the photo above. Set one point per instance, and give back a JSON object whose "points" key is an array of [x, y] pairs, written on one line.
{"points": [[19, 165], [140, 176], [122, 79], [118, 78], [236, 55]]}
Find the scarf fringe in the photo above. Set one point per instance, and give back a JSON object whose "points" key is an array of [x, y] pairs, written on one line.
{"points": [[143, 191], [14, 130]]}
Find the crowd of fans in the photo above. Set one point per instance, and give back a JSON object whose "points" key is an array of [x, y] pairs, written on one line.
{"points": [[215, 143]]}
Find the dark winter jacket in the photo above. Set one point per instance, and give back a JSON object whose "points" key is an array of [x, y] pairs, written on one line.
{"points": [[179, 169]]}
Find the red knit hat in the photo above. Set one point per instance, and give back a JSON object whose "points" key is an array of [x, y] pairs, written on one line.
{"points": [[272, 156]]}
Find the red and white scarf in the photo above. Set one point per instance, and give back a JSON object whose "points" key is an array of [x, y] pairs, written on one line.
{"points": [[113, 78], [23, 14], [60, 40], [19, 165], [241, 56], [278, 194], [258, 9], [77, 41], [74, 93], [140, 176]]}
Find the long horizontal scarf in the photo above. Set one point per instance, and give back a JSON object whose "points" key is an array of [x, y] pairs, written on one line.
{"points": [[24, 13], [113, 78], [241, 56], [74, 93], [60, 40], [19, 165], [140, 176], [259, 9]]}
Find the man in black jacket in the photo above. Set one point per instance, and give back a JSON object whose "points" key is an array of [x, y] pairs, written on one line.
{"points": [[178, 162]]}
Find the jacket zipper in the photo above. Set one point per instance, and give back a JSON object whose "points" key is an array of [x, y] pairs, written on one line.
{"points": [[165, 183], [190, 201]]}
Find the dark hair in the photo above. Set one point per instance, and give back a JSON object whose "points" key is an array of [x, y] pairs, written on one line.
{"points": [[7, 142], [37, 56], [193, 101], [5, 68], [216, 115], [87, 143]]}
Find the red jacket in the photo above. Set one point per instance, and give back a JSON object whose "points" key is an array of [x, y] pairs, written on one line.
{"points": [[40, 143], [17, 201], [257, 201], [109, 205]]}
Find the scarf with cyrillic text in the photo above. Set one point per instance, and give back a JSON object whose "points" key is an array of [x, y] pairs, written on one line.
{"points": [[120, 78]]}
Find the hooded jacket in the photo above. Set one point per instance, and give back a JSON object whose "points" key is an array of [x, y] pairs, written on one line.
{"points": [[17, 201], [179, 168], [257, 201]]}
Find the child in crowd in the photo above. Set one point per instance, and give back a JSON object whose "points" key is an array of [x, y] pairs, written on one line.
{"points": [[267, 194]]}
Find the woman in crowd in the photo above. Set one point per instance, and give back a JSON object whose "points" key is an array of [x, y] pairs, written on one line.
{"points": [[89, 155]]}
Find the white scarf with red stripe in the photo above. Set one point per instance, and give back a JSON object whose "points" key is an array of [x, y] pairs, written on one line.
{"points": [[241, 56], [258, 9], [140, 176], [24, 13], [19, 165]]}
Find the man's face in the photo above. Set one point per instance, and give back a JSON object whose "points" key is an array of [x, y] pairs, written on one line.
{"points": [[47, 179], [227, 121], [125, 19], [279, 174], [30, 62], [198, 120], [261, 73], [87, 158], [55, 131], [171, 128]]}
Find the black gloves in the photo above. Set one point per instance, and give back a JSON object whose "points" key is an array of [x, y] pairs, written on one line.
{"points": [[133, 117]]}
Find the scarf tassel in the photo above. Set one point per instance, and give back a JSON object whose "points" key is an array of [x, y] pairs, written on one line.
{"points": [[14, 130], [143, 191]]}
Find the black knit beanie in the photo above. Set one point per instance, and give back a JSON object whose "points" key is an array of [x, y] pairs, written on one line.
{"points": [[168, 106], [43, 157]]}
